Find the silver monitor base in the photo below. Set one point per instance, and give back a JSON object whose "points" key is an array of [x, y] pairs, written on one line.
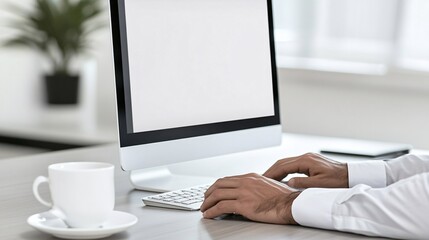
{"points": [[162, 180]]}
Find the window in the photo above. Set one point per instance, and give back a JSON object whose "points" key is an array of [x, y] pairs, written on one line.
{"points": [[363, 36]]}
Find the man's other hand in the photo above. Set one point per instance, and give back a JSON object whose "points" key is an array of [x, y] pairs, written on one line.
{"points": [[253, 196], [321, 171]]}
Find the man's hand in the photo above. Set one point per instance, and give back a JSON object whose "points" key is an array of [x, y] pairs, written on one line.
{"points": [[321, 171], [253, 196]]}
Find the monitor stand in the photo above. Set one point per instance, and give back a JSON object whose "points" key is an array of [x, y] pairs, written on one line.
{"points": [[162, 180]]}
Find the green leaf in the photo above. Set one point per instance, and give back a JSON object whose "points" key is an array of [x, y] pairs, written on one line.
{"points": [[60, 29]]}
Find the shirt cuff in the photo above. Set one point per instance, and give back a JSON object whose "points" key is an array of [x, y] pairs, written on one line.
{"points": [[313, 207], [371, 173]]}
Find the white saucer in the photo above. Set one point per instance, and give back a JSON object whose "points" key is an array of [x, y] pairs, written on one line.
{"points": [[49, 223]]}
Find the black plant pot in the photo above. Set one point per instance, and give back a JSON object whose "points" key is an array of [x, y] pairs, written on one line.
{"points": [[62, 89]]}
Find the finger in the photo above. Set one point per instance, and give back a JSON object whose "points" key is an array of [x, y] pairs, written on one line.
{"points": [[273, 169], [286, 166], [222, 183], [243, 176], [217, 196], [222, 207], [303, 182]]}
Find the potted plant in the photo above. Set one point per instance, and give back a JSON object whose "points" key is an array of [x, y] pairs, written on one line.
{"points": [[60, 31]]}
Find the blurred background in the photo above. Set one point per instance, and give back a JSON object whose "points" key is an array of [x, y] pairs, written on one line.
{"points": [[347, 68]]}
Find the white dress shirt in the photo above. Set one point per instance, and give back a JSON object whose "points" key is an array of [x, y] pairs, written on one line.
{"points": [[385, 198]]}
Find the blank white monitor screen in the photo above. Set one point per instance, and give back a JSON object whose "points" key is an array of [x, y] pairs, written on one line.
{"points": [[194, 79], [194, 62]]}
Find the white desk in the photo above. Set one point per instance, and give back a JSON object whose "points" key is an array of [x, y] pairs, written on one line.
{"points": [[17, 201]]}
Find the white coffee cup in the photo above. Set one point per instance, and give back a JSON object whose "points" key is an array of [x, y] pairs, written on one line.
{"points": [[82, 193]]}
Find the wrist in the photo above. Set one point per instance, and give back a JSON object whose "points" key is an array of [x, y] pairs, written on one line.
{"points": [[344, 175], [288, 206]]}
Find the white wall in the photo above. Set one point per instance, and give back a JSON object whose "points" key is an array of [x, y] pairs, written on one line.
{"points": [[18, 76], [388, 108]]}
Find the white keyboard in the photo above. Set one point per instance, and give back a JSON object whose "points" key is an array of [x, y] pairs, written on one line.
{"points": [[183, 199]]}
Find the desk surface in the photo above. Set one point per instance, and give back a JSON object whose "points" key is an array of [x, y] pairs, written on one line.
{"points": [[17, 201]]}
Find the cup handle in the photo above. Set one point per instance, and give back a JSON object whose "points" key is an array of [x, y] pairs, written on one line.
{"points": [[39, 180]]}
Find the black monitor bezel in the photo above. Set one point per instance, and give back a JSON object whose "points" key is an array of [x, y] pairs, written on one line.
{"points": [[123, 95]]}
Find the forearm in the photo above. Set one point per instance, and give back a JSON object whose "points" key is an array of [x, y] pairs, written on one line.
{"points": [[406, 166], [397, 211], [383, 173]]}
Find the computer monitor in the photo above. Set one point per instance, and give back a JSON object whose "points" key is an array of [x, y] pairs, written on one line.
{"points": [[194, 79]]}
